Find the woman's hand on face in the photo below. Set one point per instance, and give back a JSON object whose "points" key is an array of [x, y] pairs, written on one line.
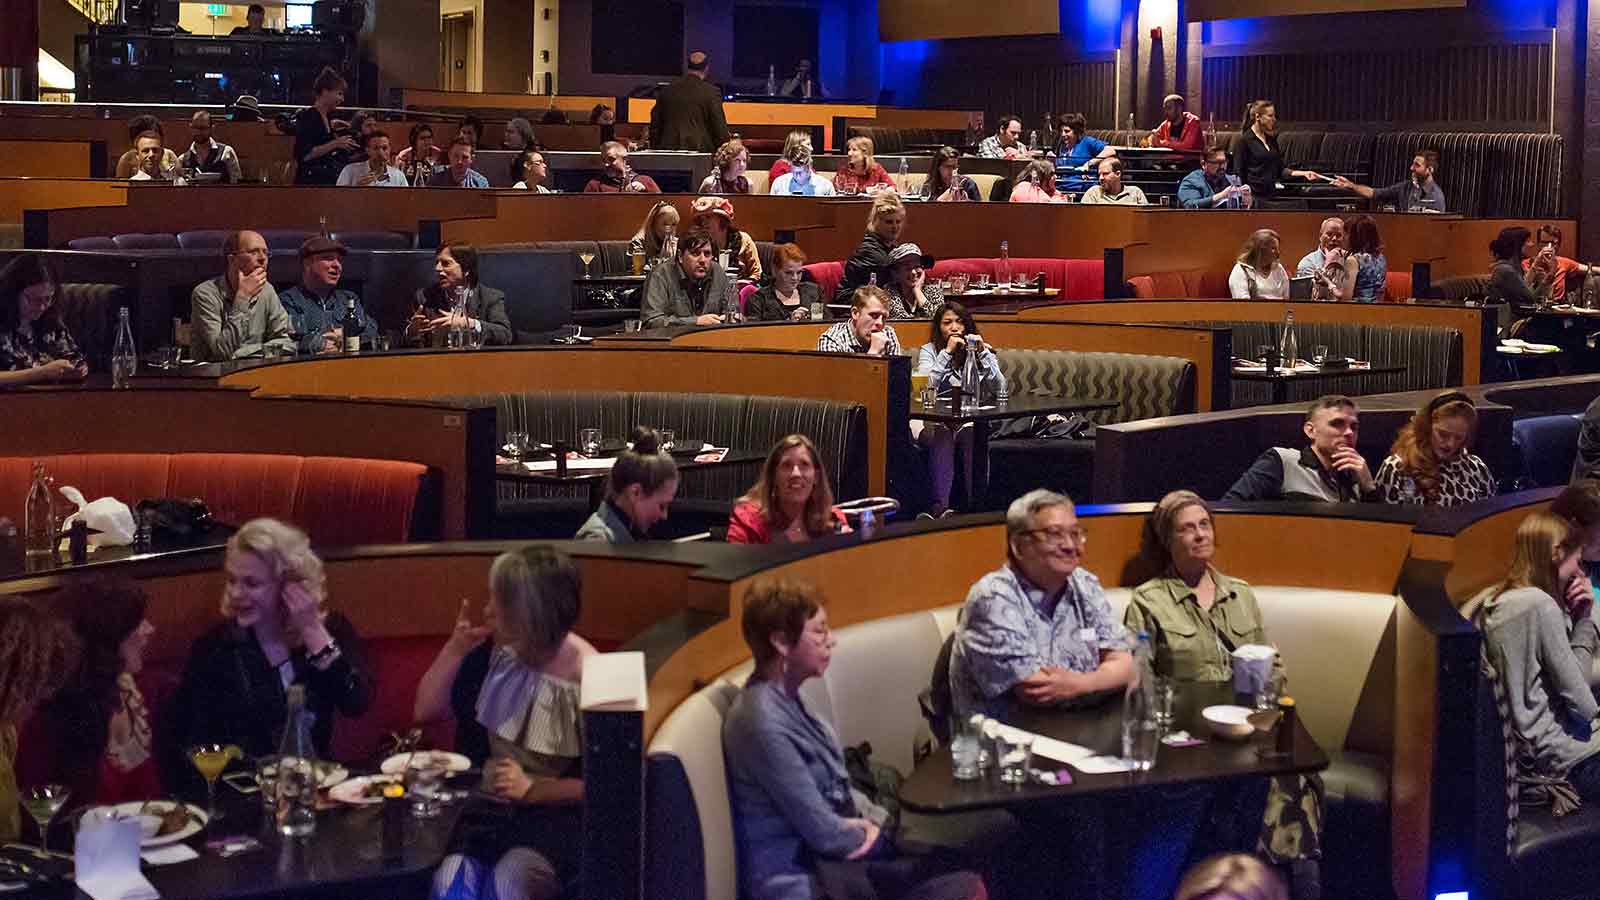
{"points": [[918, 277], [466, 637], [301, 611], [1579, 600], [954, 341]]}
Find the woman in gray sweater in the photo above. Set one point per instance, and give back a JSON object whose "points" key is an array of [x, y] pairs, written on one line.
{"points": [[800, 833], [1540, 639]]}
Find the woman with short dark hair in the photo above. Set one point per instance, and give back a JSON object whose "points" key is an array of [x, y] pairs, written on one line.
{"points": [[420, 157], [35, 346], [944, 358], [1506, 281], [640, 488], [799, 832], [322, 145], [791, 502], [945, 183], [1371, 267]]}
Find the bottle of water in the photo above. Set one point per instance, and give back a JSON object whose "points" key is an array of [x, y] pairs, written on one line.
{"points": [[772, 81], [124, 354], [1131, 127], [1141, 733], [39, 515], [905, 172], [458, 314], [970, 387], [1002, 269], [297, 780], [1033, 140], [669, 245], [730, 296], [1288, 348], [868, 523], [872, 279]]}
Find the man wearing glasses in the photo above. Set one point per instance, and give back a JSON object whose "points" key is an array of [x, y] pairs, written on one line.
{"points": [[238, 314], [1038, 631], [1209, 186]]}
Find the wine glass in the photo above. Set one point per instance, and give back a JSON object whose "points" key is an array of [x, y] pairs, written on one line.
{"points": [[43, 802], [589, 442], [211, 759], [424, 776], [587, 258]]}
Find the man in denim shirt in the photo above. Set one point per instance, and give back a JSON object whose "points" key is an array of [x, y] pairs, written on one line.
{"points": [[1038, 630]]}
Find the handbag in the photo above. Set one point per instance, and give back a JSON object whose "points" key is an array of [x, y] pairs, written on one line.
{"points": [[177, 517]]}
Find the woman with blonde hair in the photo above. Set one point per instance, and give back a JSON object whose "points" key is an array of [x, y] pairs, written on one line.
{"points": [[1231, 876], [792, 144], [1037, 184], [791, 502], [885, 221], [731, 160], [1258, 274], [277, 632], [1539, 641], [860, 174], [661, 220], [1431, 461]]}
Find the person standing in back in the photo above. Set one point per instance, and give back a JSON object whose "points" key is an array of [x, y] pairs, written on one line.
{"points": [[688, 112]]}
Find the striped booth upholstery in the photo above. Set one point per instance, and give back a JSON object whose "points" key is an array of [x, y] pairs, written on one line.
{"points": [[897, 140], [1431, 357], [1490, 175]]}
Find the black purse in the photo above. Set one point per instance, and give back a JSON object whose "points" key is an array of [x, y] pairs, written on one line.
{"points": [[177, 517]]}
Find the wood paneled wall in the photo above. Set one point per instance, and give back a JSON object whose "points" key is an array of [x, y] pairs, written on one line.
{"points": [[1029, 91]]}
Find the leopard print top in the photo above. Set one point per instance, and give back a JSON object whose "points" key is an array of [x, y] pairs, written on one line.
{"points": [[1461, 480]]}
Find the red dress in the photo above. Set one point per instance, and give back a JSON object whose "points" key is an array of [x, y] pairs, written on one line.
{"points": [[749, 525]]}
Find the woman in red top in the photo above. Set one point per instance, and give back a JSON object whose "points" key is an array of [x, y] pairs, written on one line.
{"points": [[860, 173], [94, 735], [791, 503]]}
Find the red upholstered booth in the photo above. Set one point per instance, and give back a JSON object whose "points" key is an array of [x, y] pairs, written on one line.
{"points": [[1076, 279], [338, 501], [1397, 287], [1192, 283]]}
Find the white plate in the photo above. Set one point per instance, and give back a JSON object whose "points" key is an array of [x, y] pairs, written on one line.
{"points": [[352, 791], [453, 762], [197, 821]]}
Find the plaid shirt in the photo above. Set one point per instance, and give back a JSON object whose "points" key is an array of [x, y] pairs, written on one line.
{"points": [[841, 338], [989, 148]]}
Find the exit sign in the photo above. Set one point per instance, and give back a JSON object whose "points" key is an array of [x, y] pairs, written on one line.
{"points": [[216, 9]]}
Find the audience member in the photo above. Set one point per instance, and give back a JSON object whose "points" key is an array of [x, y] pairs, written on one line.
{"points": [[617, 177], [1179, 129], [518, 135], [673, 292], [911, 294], [1431, 463], [459, 173], [206, 156], [1579, 504], [946, 184], [803, 83], [788, 297], [1112, 190], [800, 831], [661, 220], [1209, 187], [866, 331], [605, 118], [1329, 470], [238, 314], [376, 170], [1006, 142], [456, 274], [255, 17], [1036, 183], [151, 153], [1331, 278], [1256, 158], [418, 160], [1038, 631], [791, 503], [316, 306], [1539, 642], [1555, 269], [800, 180], [639, 489], [688, 112], [731, 161], [1077, 149], [519, 840], [944, 358], [35, 347], [791, 153], [133, 162], [97, 727], [277, 631], [363, 123], [1514, 251], [471, 128], [1417, 193], [860, 174], [1586, 464], [871, 258], [714, 216], [320, 149], [532, 172], [1369, 267], [41, 654], [1259, 274], [1231, 876]]}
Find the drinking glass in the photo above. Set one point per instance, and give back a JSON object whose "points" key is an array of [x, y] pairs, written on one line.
{"points": [[516, 444], [1072, 198], [424, 777], [1140, 737], [959, 284], [1022, 280], [1015, 756], [1267, 697], [636, 261], [43, 802], [474, 338], [267, 781], [631, 326], [965, 743], [1165, 691], [1319, 354], [384, 341], [589, 442], [983, 280], [211, 759], [587, 259], [666, 440], [1166, 200]]}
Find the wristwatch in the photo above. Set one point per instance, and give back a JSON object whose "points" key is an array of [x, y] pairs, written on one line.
{"points": [[327, 654]]}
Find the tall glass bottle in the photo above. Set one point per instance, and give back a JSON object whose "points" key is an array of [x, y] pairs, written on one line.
{"points": [[1288, 347], [39, 526], [1002, 268], [124, 353], [297, 780]]}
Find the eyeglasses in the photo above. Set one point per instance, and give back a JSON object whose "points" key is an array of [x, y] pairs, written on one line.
{"points": [[1075, 535]]}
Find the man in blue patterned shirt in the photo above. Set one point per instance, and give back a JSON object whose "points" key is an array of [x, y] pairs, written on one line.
{"points": [[1038, 630]]}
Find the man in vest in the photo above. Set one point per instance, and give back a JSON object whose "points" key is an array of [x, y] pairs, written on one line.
{"points": [[1331, 470]]}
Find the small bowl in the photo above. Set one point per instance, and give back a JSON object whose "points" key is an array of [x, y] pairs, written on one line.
{"points": [[1229, 722], [149, 826]]}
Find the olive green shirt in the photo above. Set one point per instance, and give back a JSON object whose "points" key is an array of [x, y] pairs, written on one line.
{"points": [[1191, 644]]}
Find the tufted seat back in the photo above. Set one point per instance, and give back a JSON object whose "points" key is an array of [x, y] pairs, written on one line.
{"points": [[145, 241], [90, 313], [897, 140], [611, 257], [1146, 387]]}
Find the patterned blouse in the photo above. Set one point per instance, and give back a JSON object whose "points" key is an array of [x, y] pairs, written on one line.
{"points": [[1461, 480], [900, 306], [25, 348]]}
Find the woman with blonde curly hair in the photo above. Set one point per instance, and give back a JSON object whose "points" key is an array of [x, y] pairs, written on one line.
{"points": [[277, 632], [1431, 461], [38, 653], [731, 160]]}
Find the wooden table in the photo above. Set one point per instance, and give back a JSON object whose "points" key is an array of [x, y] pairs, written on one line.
{"points": [[1280, 380], [947, 411], [595, 479]]}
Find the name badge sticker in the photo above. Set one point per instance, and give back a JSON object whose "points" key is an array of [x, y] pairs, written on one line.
{"points": [[1087, 635]]}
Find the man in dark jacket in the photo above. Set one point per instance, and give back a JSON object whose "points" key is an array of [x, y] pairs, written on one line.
{"points": [[688, 112]]}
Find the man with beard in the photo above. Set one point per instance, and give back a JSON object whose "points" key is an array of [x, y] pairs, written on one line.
{"points": [[673, 293]]}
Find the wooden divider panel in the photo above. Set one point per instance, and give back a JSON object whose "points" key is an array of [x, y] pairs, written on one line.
{"points": [[18, 194], [45, 158]]}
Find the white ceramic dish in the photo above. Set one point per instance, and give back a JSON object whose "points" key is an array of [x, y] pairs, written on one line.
{"points": [[1229, 722]]}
